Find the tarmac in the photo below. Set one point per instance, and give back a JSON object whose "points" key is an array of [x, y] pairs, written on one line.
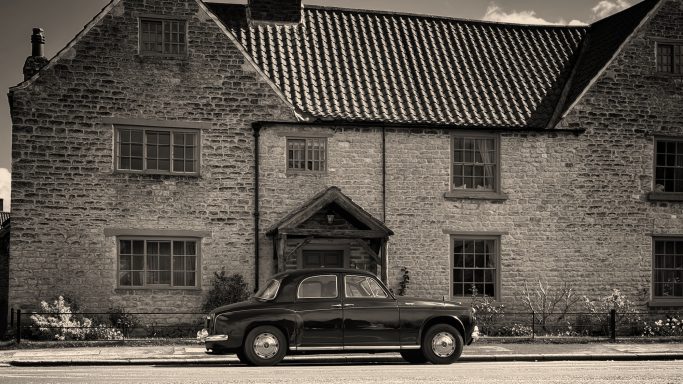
{"points": [[196, 354]]}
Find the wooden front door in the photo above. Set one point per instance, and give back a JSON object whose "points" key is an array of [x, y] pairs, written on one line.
{"points": [[322, 258]]}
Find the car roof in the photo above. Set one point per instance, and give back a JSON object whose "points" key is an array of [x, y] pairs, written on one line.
{"points": [[317, 271]]}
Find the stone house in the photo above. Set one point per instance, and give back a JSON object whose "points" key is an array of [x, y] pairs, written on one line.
{"points": [[170, 139]]}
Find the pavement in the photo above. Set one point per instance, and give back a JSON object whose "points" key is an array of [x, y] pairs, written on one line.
{"points": [[196, 354]]}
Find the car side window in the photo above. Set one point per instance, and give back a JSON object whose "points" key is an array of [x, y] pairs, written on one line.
{"points": [[318, 287], [363, 286]]}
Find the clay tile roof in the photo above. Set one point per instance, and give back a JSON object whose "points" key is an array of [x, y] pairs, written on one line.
{"points": [[4, 219], [357, 65]]}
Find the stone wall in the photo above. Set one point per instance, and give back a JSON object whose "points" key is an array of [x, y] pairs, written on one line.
{"points": [[65, 193]]}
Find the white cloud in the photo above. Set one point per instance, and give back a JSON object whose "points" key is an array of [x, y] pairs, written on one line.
{"points": [[5, 183], [495, 13], [605, 8]]}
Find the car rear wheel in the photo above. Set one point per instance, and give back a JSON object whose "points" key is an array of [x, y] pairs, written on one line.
{"points": [[413, 356], [442, 344], [264, 345]]}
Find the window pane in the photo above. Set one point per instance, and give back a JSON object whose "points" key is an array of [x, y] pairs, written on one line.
{"points": [[474, 265], [125, 279], [191, 263]]}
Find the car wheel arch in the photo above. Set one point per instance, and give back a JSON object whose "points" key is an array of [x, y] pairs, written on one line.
{"points": [[287, 331], [453, 321]]}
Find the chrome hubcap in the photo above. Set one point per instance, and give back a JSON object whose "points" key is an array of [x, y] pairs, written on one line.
{"points": [[266, 345], [443, 344]]}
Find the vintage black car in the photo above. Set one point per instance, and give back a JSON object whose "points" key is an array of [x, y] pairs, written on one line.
{"points": [[337, 310]]}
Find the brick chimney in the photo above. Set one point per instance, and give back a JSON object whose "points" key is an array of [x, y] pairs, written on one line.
{"points": [[37, 60], [275, 11]]}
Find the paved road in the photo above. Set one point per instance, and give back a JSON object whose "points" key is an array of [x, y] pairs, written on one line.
{"points": [[518, 372]]}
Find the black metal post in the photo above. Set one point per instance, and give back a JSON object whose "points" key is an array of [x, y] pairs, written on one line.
{"points": [[533, 324], [11, 317], [613, 324], [18, 326]]}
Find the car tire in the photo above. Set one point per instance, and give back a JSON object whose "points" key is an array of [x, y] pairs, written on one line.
{"points": [[442, 344], [413, 356], [264, 345]]}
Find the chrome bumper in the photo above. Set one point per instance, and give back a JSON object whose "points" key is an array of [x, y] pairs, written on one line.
{"points": [[204, 336]]}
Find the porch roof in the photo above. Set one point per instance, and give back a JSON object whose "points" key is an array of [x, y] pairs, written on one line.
{"points": [[376, 228]]}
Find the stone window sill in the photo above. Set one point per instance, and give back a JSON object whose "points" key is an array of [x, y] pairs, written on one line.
{"points": [[659, 302], [474, 195], [665, 196], [154, 290]]}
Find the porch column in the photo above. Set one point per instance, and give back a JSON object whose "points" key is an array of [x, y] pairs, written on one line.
{"points": [[282, 244]]}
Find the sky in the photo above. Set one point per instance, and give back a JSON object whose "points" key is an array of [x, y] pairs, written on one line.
{"points": [[63, 19]]}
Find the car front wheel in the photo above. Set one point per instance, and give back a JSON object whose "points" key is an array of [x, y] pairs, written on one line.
{"points": [[265, 345], [442, 344]]}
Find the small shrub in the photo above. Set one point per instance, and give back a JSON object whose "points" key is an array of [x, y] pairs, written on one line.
{"points": [[118, 317], [488, 313], [600, 309], [550, 304], [405, 281], [59, 323], [671, 326], [515, 330], [225, 290]]}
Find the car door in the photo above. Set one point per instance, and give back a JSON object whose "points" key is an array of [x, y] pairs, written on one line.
{"points": [[371, 317], [319, 305]]}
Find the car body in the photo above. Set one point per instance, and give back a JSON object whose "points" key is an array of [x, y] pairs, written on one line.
{"points": [[333, 310]]}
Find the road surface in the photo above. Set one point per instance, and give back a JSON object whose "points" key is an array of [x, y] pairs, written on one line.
{"points": [[513, 372]]}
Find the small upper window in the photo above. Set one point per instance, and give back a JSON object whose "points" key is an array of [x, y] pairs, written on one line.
{"points": [[307, 154], [670, 59], [157, 150], [475, 163], [669, 166], [163, 37], [318, 287]]}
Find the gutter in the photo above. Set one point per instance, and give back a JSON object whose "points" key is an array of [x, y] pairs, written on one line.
{"points": [[385, 125], [257, 133]]}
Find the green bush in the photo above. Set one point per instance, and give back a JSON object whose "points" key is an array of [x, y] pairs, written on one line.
{"points": [[225, 290]]}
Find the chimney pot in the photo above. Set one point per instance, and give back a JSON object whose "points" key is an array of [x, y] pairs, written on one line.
{"points": [[37, 59], [37, 42]]}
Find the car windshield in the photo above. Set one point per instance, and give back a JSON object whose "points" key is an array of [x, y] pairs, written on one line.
{"points": [[269, 291]]}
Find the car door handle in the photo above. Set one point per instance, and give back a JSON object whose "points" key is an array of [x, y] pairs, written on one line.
{"points": [[348, 305], [336, 305]]}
